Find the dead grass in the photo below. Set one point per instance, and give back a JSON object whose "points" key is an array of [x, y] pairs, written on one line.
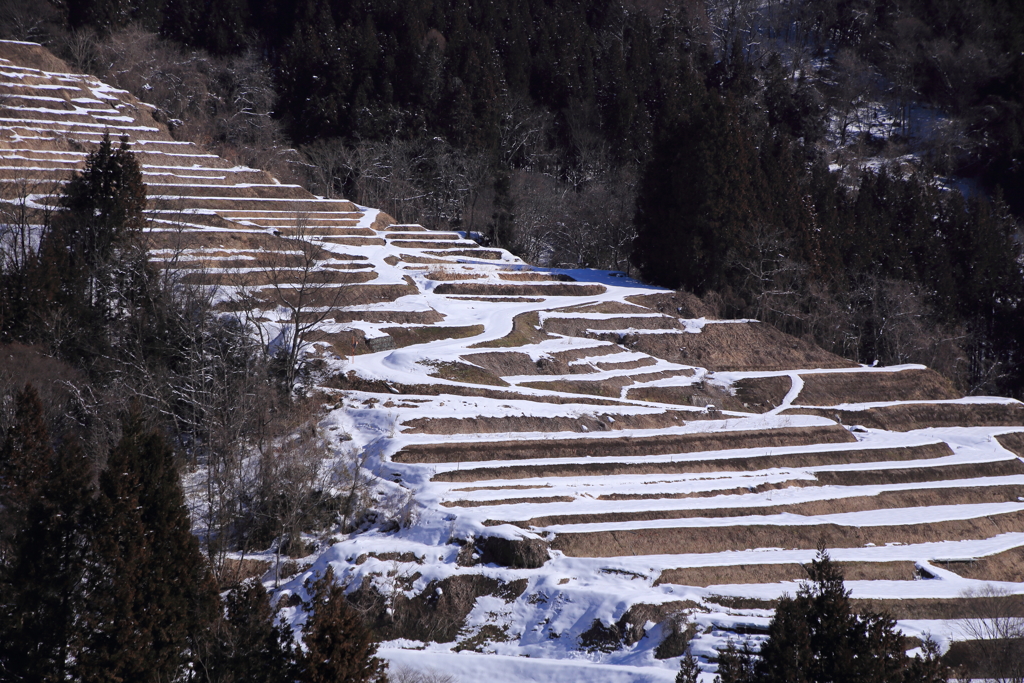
{"points": [[776, 573], [761, 394], [591, 469], [485, 254], [610, 386], [999, 468], [725, 538], [524, 332], [737, 346], [887, 500], [280, 279], [536, 423], [233, 572], [904, 418], [356, 241], [242, 240], [352, 382], [581, 327], [428, 317], [33, 56], [626, 446], [463, 372], [833, 388], [449, 275], [1004, 566], [1013, 442], [631, 365], [506, 501], [407, 336], [943, 608], [505, 363], [479, 288], [426, 244], [700, 394], [529, 276]]}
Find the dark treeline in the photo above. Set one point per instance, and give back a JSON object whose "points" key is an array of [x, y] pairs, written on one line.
{"points": [[787, 160]]}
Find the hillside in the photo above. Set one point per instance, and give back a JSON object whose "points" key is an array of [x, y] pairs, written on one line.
{"points": [[568, 466]]}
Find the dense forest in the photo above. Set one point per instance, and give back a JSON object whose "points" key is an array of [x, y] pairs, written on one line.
{"points": [[849, 170]]}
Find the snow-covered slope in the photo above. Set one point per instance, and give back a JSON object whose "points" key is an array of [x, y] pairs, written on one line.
{"points": [[585, 474]]}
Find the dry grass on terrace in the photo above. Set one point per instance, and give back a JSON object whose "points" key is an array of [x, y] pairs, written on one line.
{"points": [[887, 500], [829, 389], [909, 608], [725, 538], [1005, 566], [580, 327], [610, 386], [776, 573], [761, 394], [480, 288], [753, 464], [445, 275], [583, 447], [506, 501], [906, 417], [1013, 442], [407, 336], [739, 347], [508, 363], [529, 276], [463, 372], [537, 423], [524, 331]]}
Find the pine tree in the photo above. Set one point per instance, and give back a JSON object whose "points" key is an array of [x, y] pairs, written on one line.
{"points": [[24, 463], [339, 647], [42, 591], [253, 648], [689, 670], [151, 593], [817, 638], [90, 265]]}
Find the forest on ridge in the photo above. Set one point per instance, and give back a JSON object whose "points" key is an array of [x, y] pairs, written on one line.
{"points": [[849, 170]]}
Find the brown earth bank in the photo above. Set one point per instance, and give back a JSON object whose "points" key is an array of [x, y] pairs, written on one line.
{"points": [[736, 347], [740, 464], [835, 388], [625, 446], [534, 423], [725, 538], [904, 418], [888, 500], [1011, 606], [1013, 442], [776, 573], [1004, 566]]}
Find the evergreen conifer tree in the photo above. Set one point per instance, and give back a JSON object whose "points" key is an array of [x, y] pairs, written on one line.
{"points": [[817, 638], [689, 671], [42, 589], [339, 647], [151, 594], [24, 463], [252, 648]]}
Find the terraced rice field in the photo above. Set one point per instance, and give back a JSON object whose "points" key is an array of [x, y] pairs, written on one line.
{"points": [[583, 472]]}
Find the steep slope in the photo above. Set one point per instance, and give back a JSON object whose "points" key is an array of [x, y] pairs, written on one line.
{"points": [[581, 471]]}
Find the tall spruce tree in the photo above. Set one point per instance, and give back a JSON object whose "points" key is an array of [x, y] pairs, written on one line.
{"points": [[42, 589], [151, 592], [339, 646], [24, 463], [249, 646], [817, 638]]}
